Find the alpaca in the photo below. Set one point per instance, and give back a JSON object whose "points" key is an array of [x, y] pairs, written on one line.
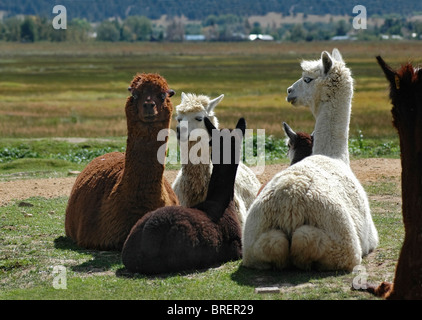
{"points": [[326, 87], [116, 189], [192, 181], [406, 97], [177, 238], [299, 144], [314, 214]]}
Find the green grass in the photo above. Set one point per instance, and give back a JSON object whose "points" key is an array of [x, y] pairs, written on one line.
{"points": [[56, 157], [33, 243]]}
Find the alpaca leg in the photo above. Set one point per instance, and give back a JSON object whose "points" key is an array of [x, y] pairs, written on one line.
{"points": [[312, 246], [271, 248], [309, 244]]}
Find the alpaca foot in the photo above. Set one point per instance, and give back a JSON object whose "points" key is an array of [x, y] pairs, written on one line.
{"points": [[383, 290], [309, 246], [271, 249]]}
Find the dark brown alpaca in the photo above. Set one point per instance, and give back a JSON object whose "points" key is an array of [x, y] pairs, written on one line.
{"points": [[406, 97], [300, 146], [175, 238], [115, 190]]}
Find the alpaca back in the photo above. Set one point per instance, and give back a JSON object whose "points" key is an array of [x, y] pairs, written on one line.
{"points": [[320, 192]]}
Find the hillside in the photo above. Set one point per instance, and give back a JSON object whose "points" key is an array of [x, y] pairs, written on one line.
{"points": [[98, 10]]}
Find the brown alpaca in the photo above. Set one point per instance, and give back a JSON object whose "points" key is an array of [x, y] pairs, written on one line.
{"points": [[115, 190], [406, 97], [300, 146], [176, 238]]}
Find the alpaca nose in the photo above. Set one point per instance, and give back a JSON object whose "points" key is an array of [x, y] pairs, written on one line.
{"points": [[149, 105]]}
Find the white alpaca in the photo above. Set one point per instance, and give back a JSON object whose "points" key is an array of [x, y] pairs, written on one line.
{"points": [[326, 87], [315, 213], [191, 183]]}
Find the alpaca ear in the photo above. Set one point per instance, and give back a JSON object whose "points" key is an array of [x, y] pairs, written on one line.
{"points": [[327, 63], [171, 92], [390, 74], [289, 132], [241, 124], [209, 125], [337, 55], [213, 103]]}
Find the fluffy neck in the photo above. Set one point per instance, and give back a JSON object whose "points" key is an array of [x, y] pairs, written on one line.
{"points": [[195, 179], [221, 187], [331, 132], [142, 166]]}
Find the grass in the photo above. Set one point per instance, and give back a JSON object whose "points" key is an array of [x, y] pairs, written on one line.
{"points": [[33, 243], [56, 157], [40, 96]]}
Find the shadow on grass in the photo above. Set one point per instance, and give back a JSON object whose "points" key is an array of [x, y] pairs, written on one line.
{"points": [[101, 260], [278, 278], [125, 273]]}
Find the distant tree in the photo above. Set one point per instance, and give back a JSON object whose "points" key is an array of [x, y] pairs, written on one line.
{"points": [[108, 31], [137, 28], [298, 33], [175, 31], [256, 28], [392, 26], [341, 27], [78, 30], [28, 30], [12, 29]]}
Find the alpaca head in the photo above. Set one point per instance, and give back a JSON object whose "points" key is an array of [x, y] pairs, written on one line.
{"points": [[321, 81], [405, 91], [299, 143], [192, 110], [150, 99]]}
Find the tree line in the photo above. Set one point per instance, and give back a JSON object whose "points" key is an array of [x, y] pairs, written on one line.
{"points": [[99, 10], [228, 27]]}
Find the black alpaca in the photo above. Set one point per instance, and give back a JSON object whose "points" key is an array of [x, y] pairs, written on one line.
{"points": [[175, 238]]}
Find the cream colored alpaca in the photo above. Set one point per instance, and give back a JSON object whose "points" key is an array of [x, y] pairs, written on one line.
{"points": [[191, 183], [315, 213]]}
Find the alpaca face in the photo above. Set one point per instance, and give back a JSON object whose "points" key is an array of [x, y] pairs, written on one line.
{"points": [[191, 113], [151, 103], [299, 143], [150, 100], [314, 83]]}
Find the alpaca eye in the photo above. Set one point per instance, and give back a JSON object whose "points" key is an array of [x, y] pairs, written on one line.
{"points": [[307, 79], [163, 96], [199, 118]]}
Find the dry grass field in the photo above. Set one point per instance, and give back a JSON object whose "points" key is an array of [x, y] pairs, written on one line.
{"points": [[67, 90]]}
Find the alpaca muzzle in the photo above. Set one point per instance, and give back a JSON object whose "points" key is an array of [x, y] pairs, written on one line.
{"points": [[149, 109]]}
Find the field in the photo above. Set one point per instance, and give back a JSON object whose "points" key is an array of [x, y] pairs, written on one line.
{"points": [[63, 104]]}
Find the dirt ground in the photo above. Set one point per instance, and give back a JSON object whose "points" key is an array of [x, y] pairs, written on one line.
{"points": [[366, 170]]}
